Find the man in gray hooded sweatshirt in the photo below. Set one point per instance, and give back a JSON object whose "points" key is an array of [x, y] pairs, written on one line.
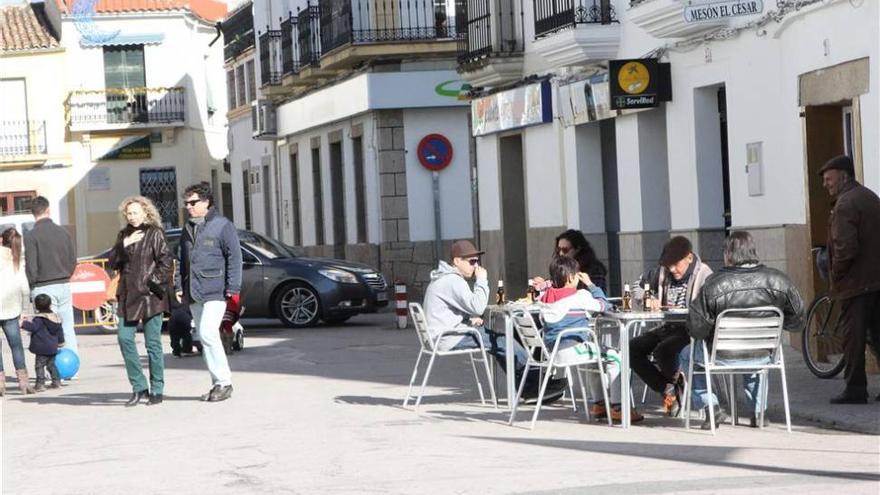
{"points": [[451, 303]]}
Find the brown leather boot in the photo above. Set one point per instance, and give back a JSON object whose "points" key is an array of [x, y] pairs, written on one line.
{"points": [[2, 384], [24, 383]]}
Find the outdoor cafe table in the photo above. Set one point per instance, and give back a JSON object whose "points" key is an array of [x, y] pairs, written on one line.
{"points": [[498, 317], [625, 322]]}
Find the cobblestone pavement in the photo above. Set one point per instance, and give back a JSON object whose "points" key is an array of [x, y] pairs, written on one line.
{"points": [[318, 411]]}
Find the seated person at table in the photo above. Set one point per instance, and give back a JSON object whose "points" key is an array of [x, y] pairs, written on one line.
{"points": [[451, 303], [742, 283], [567, 308], [573, 244], [676, 281]]}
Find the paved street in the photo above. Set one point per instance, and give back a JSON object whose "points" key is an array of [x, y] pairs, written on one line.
{"points": [[318, 411]]}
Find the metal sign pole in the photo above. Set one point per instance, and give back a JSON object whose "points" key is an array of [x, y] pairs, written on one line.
{"points": [[435, 177]]}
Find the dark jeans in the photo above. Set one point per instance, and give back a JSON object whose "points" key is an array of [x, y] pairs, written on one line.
{"points": [[860, 321], [43, 362], [664, 343]]}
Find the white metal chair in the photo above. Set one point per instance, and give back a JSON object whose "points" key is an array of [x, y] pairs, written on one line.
{"points": [[533, 341], [429, 346], [739, 334]]}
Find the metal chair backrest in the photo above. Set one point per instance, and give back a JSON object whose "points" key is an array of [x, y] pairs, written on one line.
{"points": [[528, 333], [741, 332], [421, 324]]}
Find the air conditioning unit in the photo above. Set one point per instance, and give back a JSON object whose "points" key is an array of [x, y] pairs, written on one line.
{"points": [[263, 120]]}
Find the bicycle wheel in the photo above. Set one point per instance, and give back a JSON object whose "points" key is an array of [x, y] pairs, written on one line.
{"points": [[823, 345]]}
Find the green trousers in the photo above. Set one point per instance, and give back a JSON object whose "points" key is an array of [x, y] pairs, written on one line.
{"points": [[153, 336]]}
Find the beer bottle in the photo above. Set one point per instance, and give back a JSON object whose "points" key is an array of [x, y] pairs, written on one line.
{"points": [[530, 292], [645, 298], [499, 294], [627, 298]]}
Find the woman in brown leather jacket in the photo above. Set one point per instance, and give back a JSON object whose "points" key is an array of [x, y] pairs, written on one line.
{"points": [[143, 262]]}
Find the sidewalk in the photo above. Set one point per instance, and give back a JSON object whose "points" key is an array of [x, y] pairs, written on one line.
{"points": [[808, 399]]}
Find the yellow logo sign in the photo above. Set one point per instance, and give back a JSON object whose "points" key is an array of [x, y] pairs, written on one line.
{"points": [[633, 77]]}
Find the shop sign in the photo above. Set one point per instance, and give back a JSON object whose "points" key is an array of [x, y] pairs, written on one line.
{"points": [[639, 83], [586, 101], [512, 109], [713, 11], [130, 148]]}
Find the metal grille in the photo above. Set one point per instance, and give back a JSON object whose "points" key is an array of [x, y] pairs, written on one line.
{"points": [[160, 185], [376, 281], [309, 35], [552, 16], [488, 31]]}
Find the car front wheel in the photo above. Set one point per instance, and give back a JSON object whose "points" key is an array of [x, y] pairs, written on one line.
{"points": [[297, 306]]}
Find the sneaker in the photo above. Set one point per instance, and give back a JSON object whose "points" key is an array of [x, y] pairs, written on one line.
{"points": [[154, 399], [634, 415], [598, 411], [720, 417], [549, 397], [221, 394], [39, 387], [55, 385], [671, 403], [211, 393]]}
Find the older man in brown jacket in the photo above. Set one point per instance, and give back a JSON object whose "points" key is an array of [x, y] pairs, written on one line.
{"points": [[854, 252]]}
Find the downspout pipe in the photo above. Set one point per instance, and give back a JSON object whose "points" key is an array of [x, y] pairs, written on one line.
{"points": [[217, 26]]}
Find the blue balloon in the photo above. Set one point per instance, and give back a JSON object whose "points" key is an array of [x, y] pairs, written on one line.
{"points": [[67, 363]]}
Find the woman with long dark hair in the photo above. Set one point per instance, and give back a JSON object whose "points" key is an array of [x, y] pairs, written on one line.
{"points": [[14, 297], [573, 244], [143, 261]]}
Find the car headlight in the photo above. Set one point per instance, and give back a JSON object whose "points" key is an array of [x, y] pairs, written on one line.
{"points": [[339, 276]]}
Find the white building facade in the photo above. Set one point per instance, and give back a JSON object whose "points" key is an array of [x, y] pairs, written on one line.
{"points": [[146, 110], [762, 94], [361, 130]]}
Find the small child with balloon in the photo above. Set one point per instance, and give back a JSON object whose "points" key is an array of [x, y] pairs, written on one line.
{"points": [[47, 336]]}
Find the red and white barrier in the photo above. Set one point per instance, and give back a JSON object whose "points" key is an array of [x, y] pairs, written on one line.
{"points": [[400, 304]]}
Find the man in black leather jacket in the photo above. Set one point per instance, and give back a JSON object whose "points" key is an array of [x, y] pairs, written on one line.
{"points": [[742, 283]]}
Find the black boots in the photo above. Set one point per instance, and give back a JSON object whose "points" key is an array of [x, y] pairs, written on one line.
{"points": [[136, 397]]}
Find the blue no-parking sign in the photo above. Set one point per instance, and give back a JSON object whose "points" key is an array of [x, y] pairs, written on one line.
{"points": [[435, 152]]}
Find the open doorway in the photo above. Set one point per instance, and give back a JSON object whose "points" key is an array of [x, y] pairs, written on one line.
{"points": [[513, 214], [338, 202]]}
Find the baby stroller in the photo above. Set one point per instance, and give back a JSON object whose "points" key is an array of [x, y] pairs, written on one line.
{"points": [[181, 329], [231, 331]]}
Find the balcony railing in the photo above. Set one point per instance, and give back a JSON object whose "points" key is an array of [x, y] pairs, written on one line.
{"points": [[145, 106], [487, 31], [378, 21], [22, 137], [308, 23], [271, 68], [238, 31], [555, 15], [289, 49], [238, 45]]}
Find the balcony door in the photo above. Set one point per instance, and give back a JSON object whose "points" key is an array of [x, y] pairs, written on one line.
{"points": [[125, 81]]}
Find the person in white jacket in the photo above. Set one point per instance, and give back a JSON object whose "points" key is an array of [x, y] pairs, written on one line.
{"points": [[14, 298], [451, 303], [567, 308]]}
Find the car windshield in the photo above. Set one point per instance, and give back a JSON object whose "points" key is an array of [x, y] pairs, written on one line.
{"points": [[267, 247]]}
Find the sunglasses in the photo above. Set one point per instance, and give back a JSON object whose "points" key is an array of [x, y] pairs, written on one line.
{"points": [[192, 202], [563, 250], [474, 261]]}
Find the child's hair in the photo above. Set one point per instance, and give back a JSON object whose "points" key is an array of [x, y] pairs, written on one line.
{"points": [[561, 269], [43, 303]]}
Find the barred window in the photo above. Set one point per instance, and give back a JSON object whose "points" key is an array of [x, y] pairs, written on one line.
{"points": [[230, 89]]}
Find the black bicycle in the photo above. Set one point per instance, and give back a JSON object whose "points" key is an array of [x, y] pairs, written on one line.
{"points": [[823, 342]]}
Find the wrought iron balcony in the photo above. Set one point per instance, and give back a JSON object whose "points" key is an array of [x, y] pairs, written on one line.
{"points": [[271, 68], [379, 21], [490, 28], [22, 138], [238, 32], [238, 45], [126, 107], [289, 49], [555, 15], [309, 35]]}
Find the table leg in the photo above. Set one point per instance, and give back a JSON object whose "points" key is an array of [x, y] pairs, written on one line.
{"points": [[510, 371], [625, 405]]}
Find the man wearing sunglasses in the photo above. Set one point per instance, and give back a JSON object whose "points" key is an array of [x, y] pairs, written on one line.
{"points": [[451, 303], [210, 273]]}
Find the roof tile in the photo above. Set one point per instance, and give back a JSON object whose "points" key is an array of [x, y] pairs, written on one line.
{"points": [[21, 30]]}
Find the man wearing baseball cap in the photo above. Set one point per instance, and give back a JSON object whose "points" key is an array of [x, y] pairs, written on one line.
{"points": [[451, 303], [854, 256]]}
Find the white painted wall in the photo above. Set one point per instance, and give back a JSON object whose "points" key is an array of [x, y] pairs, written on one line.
{"points": [[456, 219], [488, 182], [545, 195], [590, 198]]}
